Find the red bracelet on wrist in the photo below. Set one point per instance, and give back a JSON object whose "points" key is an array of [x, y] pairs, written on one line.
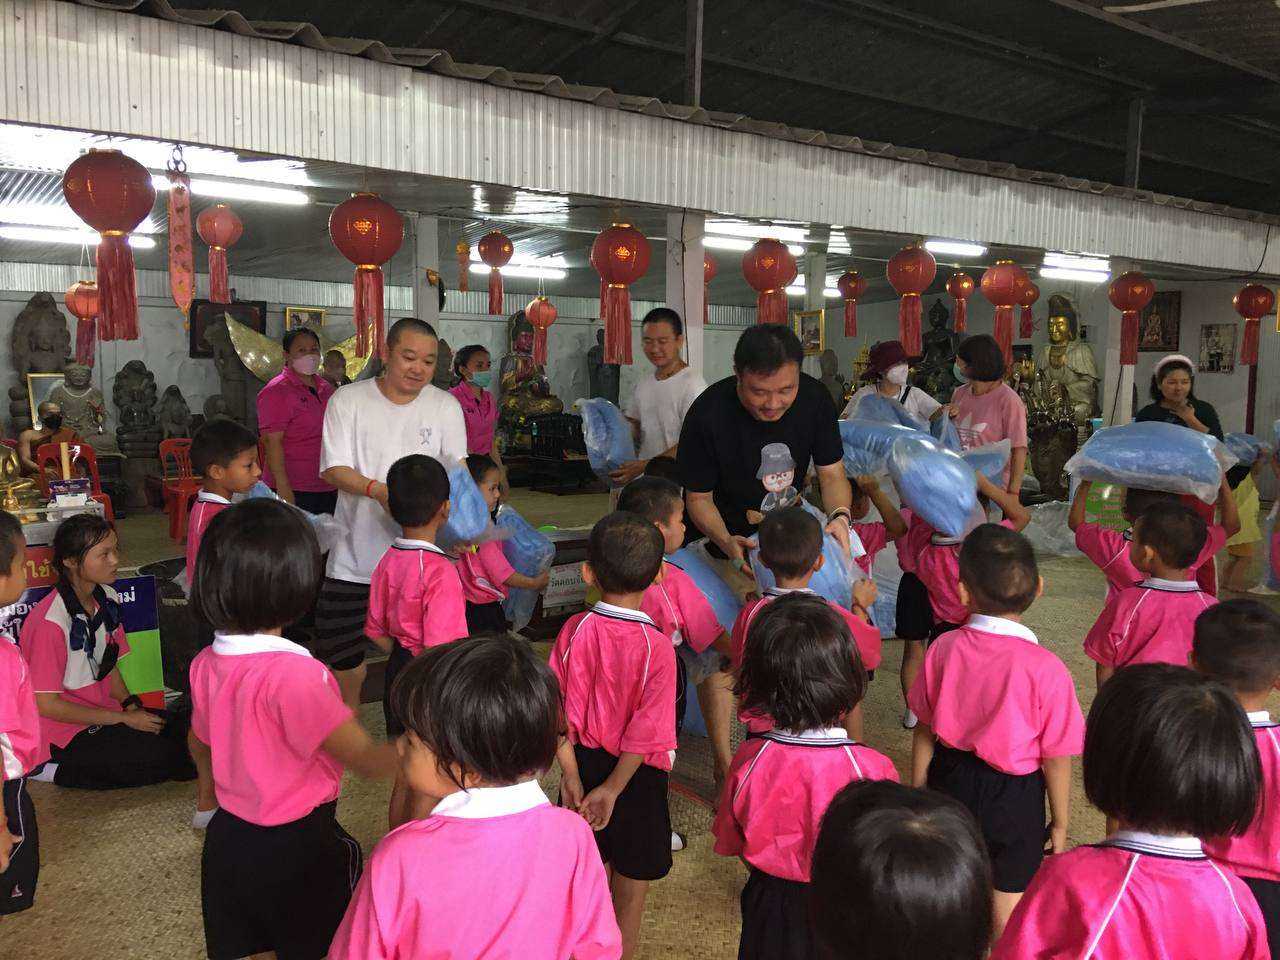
{"points": [[368, 487]]}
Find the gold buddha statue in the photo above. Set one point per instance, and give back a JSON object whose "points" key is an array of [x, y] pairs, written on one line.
{"points": [[1068, 362], [524, 390]]}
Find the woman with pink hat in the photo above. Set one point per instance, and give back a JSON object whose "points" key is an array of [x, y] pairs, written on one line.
{"points": [[887, 370]]}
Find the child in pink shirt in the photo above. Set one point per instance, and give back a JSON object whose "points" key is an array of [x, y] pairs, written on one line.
{"points": [[495, 870], [22, 748], [617, 673], [999, 719], [1153, 621], [876, 535], [791, 547], [1170, 757], [224, 454], [1237, 643], [801, 669], [277, 870], [484, 569]]}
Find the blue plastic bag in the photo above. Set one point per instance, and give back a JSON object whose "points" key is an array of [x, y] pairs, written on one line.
{"points": [[834, 580], [607, 434], [867, 444], [327, 529], [693, 561], [1245, 447], [943, 429], [989, 460], [887, 410], [936, 484], [469, 520], [1154, 456], [529, 552]]}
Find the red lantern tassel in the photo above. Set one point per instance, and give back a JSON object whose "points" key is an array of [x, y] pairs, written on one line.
{"points": [[962, 316], [1249, 345], [1027, 325], [1004, 332], [909, 324], [616, 314], [117, 287], [851, 318], [540, 345], [86, 341], [495, 292], [368, 310], [464, 270], [1128, 338], [219, 282], [771, 306]]}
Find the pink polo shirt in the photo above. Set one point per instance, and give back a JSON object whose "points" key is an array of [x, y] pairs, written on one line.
{"points": [[287, 405], [483, 572], [265, 708], [22, 747], [777, 791], [998, 414], [937, 564], [415, 597], [874, 537], [1257, 853], [617, 673], [1109, 551], [681, 610], [1135, 897], [480, 414], [56, 668], [990, 689], [206, 507], [1153, 622], [492, 872]]}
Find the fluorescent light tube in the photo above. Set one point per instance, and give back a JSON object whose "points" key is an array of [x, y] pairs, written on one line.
{"points": [[1071, 261], [831, 293], [955, 248], [757, 231], [734, 243], [1068, 273], [555, 261], [530, 273], [230, 190], [79, 238]]}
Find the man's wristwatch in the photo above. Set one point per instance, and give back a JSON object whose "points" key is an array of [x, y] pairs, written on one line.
{"points": [[841, 512], [132, 700]]}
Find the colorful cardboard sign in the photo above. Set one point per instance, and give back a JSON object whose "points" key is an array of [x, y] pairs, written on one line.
{"points": [[1105, 506]]}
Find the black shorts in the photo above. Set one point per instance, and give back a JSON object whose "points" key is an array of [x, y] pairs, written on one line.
{"points": [[1267, 893], [775, 920], [18, 883], [316, 501], [914, 613], [399, 659], [1009, 810], [682, 693], [282, 888], [637, 840], [341, 609], [486, 618], [116, 756]]}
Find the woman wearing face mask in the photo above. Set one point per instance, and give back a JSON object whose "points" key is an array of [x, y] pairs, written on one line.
{"points": [[479, 408], [887, 370], [291, 421], [985, 408]]}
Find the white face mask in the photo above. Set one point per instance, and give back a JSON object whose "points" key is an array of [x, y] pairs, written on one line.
{"points": [[306, 365], [897, 374]]}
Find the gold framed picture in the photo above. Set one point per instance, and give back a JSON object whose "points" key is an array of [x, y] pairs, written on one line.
{"points": [[811, 328], [310, 317], [39, 386]]}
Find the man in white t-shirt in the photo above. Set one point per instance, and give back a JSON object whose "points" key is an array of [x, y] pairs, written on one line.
{"points": [[658, 405], [368, 426]]}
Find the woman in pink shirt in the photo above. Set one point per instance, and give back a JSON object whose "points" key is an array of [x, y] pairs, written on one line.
{"points": [[479, 408], [985, 408]]}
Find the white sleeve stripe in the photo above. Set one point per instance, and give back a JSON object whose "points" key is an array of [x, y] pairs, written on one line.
{"points": [[573, 636], [1123, 550], [11, 765], [1230, 893], [1111, 912], [751, 766], [854, 760], [1133, 613]]}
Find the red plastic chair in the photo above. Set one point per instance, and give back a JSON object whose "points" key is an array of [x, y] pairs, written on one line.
{"points": [[178, 485], [49, 457]]}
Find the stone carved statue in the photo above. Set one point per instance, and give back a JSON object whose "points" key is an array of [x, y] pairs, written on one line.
{"points": [[443, 378], [829, 363], [84, 409], [603, 378], [525, 390], [134, 394], [216, 406], [934, 374], [239, 386], [1051, 429], [1069, 362], [174, 413], [40, 342]]}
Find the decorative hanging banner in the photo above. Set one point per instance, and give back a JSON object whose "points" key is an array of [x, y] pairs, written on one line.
{"points": [[1004, 285], [463, 250], [542, 314], [910, 272], [620, 255], [961, 287], [851, 285], [769, 267], [367, 231], [1253, 302], [84, 304], [182, 272], [1027, 325], [1130, 293]]}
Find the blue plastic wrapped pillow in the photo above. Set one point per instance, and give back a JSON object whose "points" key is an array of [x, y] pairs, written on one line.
{"points": [[867, 444], [693, 561], [887, 410], [834, 580], [607, 434], [529, 552], [1154, 456], [989, 460], [469, 520], [936, 484], [943, 429], [1245, 447], [327, 529]]}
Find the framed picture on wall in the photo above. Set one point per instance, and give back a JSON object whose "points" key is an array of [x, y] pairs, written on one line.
{"points": [[39, 386], [810, 328], [1217, 348], [252, 313], [1160, 322], [310, 317]]}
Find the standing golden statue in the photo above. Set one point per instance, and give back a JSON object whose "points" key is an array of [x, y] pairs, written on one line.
{"points": [[1069, 362]]}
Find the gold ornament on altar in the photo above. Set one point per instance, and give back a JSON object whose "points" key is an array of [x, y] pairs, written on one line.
{"points": [[16, 491], [264, 357]]}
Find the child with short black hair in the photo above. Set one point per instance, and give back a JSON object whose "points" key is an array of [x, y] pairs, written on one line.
{"points": [[791, 547], [1170, 756], [998, 717], [800, 667], [277, 869], [1153, 621], [482, 720], [224, 455], [22, 748], [1237, 643], [416, 598], [900, 874], [483, 569], [617, 672]]}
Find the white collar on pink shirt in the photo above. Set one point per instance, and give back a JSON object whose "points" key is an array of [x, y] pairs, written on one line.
{"points": [[240, 644], [1000, 625], [1172, 586], [1162, 845], [1259, 718], [479, 803], [204, 496], [783, 591], [816, 735], [404, 543], [622, 613]]}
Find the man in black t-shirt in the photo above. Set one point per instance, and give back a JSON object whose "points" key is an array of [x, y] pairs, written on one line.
{"points": [[750, 437]]}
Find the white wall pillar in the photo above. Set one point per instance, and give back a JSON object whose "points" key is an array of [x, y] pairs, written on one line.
{"points": [[814, 267], [685, 291], [1117, 393], [426, 255]]}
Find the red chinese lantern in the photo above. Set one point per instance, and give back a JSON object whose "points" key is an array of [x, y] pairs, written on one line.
{"points": [[463, 250], [542, 314], [1004, 285], [851, 285], [220, 228], [620, 254], [112, 193], [368, 232], [709, 270], [910, 271], [1253, 302], [1027, 325], [495, 250], [83, 302], [1130, 293], [769, 267], [961, 287]]}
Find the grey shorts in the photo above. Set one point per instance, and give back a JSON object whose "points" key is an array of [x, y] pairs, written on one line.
{"points": [[700, 666]]}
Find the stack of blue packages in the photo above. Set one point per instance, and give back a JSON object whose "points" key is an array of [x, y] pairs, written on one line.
{"points": [[989, 460], [693, 561], [867, 444], [607, 434], [887, 410], [944, 431], [1154, 456], [469, 520], [935, 484], [529, 552], [834, 580], [1245, 447]]}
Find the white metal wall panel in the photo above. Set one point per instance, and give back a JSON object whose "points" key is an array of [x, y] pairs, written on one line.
{"points": [[79, 67]]}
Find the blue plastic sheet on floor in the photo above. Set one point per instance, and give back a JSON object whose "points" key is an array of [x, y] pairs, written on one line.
{"points": [[1154, 456], [694, 561], [529, 552], [867, 444], [934, 483], [469, 520], [607, 435]]}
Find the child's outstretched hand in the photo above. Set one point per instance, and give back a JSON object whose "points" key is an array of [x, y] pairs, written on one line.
{"points": [[597, 808], [865, 593], [542, 579], [7, 842], [570, 791]]}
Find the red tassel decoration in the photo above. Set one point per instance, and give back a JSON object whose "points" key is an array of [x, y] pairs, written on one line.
{"points": [[496, 250], [620, 255], [709, 270], [495, 291], [1027, 324], [1249, 345], [118, 288], [961, 322], [910, 271], [1130, 293], [86, 342], [771, 306], [83, 302], [909, 310], [1253, 303], [617, 324], [368, 311], [1030, 294], [961, 287], [1004, 331], [542, 314], [219, 281], [220, 228], [851, 287], [368, 232]]}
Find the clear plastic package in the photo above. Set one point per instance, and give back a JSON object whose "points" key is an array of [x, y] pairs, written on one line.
{"points": [[607, 434], [1154, 456], [936, 484], [867, 444], [530, 552], [469, 520]]}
